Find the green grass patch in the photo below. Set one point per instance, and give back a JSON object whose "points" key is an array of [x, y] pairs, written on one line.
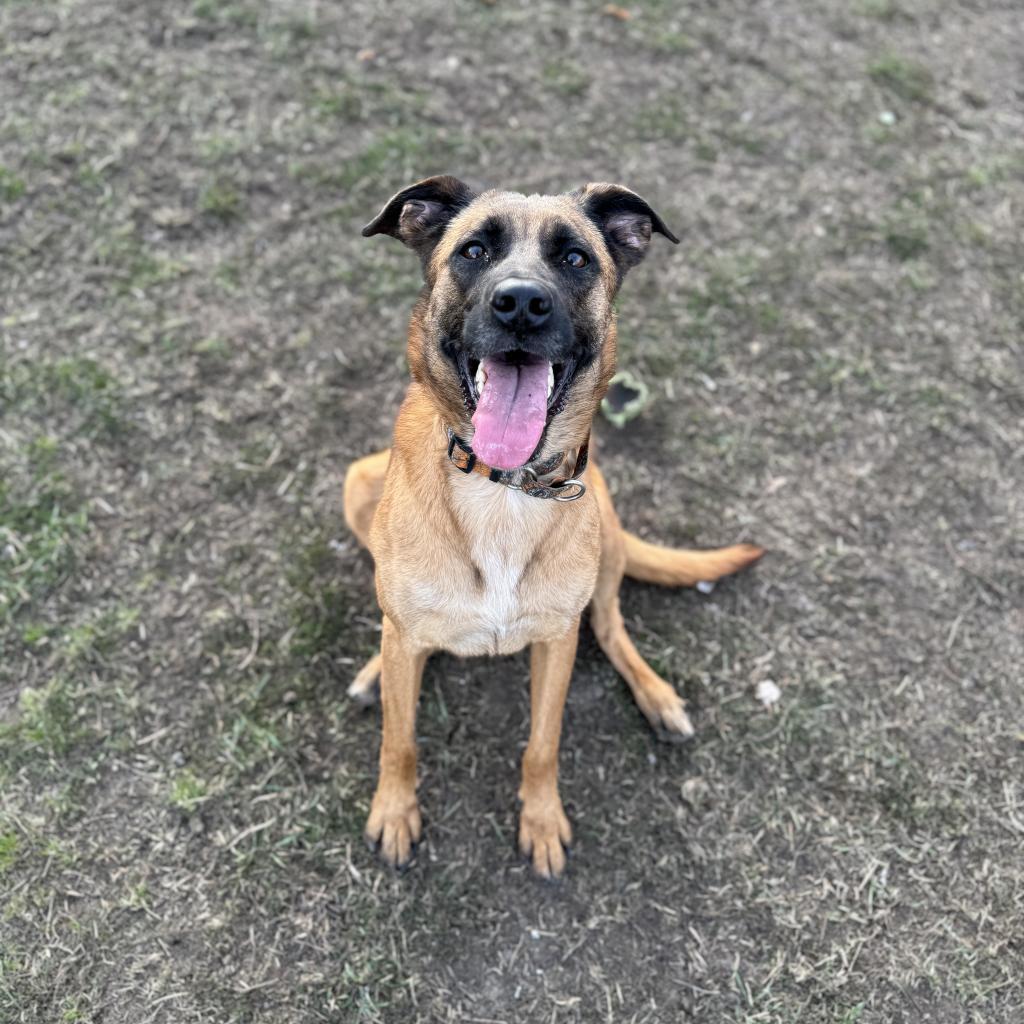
{"points": [[11, 186], [320, 614], [93, 641], [906, 235], [392, 159], [133, 266], [75, 395], [214, 348], [672, 42], [663, 121], [88, 387], [187, 791], [52, 717], [725, 287], [345, 103], [226, 12], [40, 519], [8, 850], [565, 77], [402, 145], [906, 78], [219, 146], [222, 201], [364, 100], [883, 10], [46, 719], [705, 151]]}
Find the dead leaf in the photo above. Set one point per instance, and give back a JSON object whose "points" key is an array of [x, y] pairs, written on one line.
{"points": [[172, 216]]}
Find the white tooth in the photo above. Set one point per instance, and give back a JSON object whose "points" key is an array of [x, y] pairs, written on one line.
{"points": [[481, 379], [551, 379]]}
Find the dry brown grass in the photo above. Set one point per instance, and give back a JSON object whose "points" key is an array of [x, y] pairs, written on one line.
{"points": [[195, 342]]}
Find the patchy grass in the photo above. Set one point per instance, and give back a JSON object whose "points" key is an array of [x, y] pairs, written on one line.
{"points": [[322, 612], [58, 714], [672, 42], [883, 10], [227, 12], [665, 120], [12, 187], [905, 78], [222, 201], [195, 341], [40, 520], [906, 234], [187, 792], [394, 155], [133, 266], [8, 850], [566, 77]]}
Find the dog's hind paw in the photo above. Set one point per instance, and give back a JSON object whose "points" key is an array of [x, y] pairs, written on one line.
{"points": [[364, 689], [666, 711]]}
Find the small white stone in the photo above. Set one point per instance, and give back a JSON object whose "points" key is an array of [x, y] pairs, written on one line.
{"points": [[887, 117], [694, 790], [705, 586], [767, 692]]}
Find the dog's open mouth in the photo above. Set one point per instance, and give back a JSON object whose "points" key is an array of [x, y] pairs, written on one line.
{"points": [[511, 397]]}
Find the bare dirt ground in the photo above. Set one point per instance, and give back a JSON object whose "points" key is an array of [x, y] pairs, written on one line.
{"points": [[196, 341]]}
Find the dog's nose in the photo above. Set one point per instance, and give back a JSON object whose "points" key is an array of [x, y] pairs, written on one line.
{"points": [[520, 303]]}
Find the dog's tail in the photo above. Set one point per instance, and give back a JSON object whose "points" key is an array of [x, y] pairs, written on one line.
{"points": [[674, 567]]}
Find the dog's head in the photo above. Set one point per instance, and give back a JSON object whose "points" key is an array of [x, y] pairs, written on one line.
{"points": [[514, 332]]}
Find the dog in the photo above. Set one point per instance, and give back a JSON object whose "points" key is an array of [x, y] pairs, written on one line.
{"points": [[489, 524]]}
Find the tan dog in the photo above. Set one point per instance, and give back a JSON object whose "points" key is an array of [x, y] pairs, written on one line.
{"points": [[489, 528]]}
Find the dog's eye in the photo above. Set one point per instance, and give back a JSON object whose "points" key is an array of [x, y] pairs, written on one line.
{"points": [[576, 259], [473, 251]]}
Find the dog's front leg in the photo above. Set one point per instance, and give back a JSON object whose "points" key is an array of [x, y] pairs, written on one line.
{"points": [[394, 820], [544, 830]]}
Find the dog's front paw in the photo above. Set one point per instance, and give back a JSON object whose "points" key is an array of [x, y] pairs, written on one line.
{"points": [[544, 835], [666, 711], [394, 827]]}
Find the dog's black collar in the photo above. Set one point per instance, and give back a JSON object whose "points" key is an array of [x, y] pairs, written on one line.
{"points": [[526, 478]]}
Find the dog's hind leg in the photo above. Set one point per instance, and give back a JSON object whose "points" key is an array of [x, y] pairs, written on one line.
{"points": [[363, 689], [658, 700], [364, 483], [624, 554]]}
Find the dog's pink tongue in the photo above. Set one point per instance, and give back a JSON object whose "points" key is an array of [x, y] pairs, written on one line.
{"points": [[510, 412]]}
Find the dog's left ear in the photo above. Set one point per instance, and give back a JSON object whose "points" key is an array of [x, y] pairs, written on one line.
{"points": [[624, 218], [419, 214]]}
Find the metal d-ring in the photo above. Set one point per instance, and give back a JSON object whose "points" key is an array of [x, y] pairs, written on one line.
{"points": [[569, 497]]}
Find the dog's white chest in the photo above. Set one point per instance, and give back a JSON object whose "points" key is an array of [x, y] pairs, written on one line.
{"points": [[498, 609], [497, 597]]}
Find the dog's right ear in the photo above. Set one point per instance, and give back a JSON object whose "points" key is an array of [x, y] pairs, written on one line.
{"points": [[419, 214], [626, 220]]}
